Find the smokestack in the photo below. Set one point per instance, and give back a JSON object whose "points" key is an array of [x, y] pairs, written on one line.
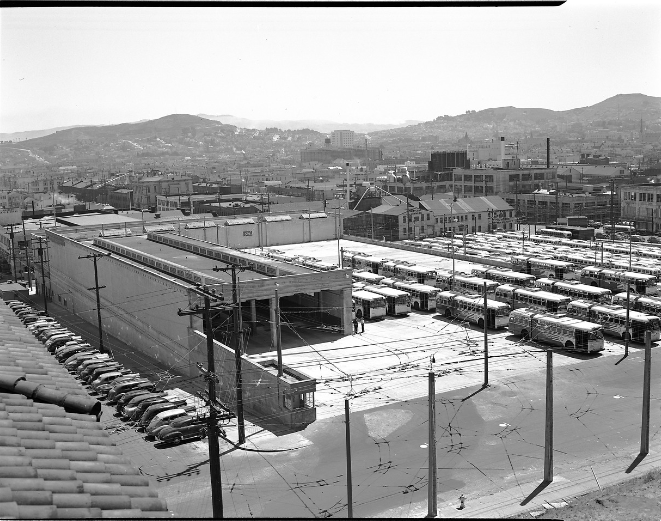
{"points": [[548, 152], [502, 148]]}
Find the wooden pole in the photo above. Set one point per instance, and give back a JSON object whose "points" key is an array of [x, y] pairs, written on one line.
{"points": [[486, 342], [645, 430], [548, 435], [432, 500], [278, 344], [627, 333], [348, 445]]}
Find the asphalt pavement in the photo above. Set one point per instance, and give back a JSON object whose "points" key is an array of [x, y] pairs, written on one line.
{"points": [[490, 440]]}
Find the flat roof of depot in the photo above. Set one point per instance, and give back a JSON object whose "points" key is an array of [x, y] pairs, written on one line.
{"points": [[201, 263]]}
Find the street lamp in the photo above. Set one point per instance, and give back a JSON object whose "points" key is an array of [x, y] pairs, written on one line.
{"points": [[454, 200]]}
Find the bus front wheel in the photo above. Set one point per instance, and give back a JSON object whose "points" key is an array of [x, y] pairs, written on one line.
{"points": [[416, 306], [448, 313], [480, 323], [626, 336], [524, 334], [569, 345]]}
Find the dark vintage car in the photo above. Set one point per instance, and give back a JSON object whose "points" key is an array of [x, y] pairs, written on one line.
{"points": [[118, 390], [185, 428]]}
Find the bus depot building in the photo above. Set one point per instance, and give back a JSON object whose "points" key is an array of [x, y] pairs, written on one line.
{"points": [[147, 278]]}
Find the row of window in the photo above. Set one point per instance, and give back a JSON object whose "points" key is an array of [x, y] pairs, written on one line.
{"points": [[642, 197]]}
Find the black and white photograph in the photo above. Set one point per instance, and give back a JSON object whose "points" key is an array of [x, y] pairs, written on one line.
{"points": [[330, 260]]}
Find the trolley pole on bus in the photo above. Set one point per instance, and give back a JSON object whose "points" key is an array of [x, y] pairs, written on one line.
{"points": [[486, 342], [548, 435]]}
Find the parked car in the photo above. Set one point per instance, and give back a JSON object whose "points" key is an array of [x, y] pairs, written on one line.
{"points": [[74, 362], [162, 419], [133, 388], [46, 334], [64, 353], [88, 375], [129, 406], [104, 388], [55, 342], [128, 396], [30, 318], [135, 412], [185, 428], [106, 379], [654, 240], [42, 323], [82, 367], [152, 411], [637, 238]]}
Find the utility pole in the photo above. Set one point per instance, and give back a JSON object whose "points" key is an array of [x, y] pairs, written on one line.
{"points": [[278, 343], [43, 277], [645, 430], [13, 249], [432, 500], [211, 377], [548, 435], [94, 257], [627, 334], [612, 215], [486, 342], [348, 448], [27, 258], [237, 341]]}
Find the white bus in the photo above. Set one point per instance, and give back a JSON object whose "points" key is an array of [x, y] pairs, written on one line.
{"points": [[504, 276], [637, 266], [543, 267], [545, 239], [558, 330], [533, 298], [398, 302], [465, 284], [575, 290], [423, 296], [367, 277], [373, 305], [551, 232], [471, 308], [360, 261], [643, 304], [616, 280], [614, 319]]}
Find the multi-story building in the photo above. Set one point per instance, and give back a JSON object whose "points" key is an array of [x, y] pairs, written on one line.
{"points": [[641, 204], [147, 189], [342, 138], [492, 181], [328, 155], [432, 217], [545, 206]]}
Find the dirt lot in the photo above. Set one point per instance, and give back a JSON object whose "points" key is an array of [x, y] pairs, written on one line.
{"points": [[636, 499]]}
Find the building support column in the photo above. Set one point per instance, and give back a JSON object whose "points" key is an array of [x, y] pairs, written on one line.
{"points": [[347, 325], [274, 329], [253, 313]]}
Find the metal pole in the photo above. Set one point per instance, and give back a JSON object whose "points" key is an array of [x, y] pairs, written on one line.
{"points": [[645, 430], [548, 435], [214, 450], [13, 252], [432, 499], [486, 342], [278, 332], [348, 445], [627, 334], [27, 258]]}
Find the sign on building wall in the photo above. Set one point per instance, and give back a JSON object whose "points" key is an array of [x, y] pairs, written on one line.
{"points": [[247, 233]]}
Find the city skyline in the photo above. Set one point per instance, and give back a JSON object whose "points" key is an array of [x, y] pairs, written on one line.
{"points": [[75, 66]]}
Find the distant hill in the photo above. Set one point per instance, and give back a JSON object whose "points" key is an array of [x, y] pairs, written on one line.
{"points": [[30, 134], [622, 111], [320, 125]]}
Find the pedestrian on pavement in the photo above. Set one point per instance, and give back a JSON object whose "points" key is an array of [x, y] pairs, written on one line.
{"points": [[355, 326], [462, 498], [362, 325]]}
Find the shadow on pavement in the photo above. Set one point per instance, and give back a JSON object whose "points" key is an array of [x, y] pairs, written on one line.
{"points": [[635, 462], [535, 492]]}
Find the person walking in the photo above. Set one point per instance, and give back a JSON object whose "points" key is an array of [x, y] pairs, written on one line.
{"points": [[355, 326], [362, 324]]}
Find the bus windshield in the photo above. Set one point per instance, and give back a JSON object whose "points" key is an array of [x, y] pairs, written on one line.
{"points": [[596, 335]]}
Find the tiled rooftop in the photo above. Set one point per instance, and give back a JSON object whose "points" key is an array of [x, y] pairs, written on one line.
{"points": [[56, 461]]}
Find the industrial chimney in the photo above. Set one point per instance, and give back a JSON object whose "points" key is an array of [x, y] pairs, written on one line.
{"points": [[502, 148], [548, 152]]}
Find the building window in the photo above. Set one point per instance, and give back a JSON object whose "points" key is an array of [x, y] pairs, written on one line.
{"points": [[479, 178], [488, 178]]}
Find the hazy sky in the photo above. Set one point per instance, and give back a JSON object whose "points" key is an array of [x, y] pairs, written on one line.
{"points": [[68, 66]]}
